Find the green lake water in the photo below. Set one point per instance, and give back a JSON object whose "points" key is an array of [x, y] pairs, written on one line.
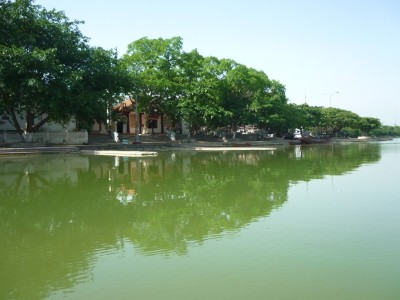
{"points": [[314, 222]]}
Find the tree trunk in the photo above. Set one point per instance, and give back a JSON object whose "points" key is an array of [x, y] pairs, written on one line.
{"points": [[30, 121], [15, 123], [190, 128], [26, 133]]}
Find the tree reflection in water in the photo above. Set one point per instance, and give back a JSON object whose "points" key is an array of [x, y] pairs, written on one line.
{"points": [[56, 212]]}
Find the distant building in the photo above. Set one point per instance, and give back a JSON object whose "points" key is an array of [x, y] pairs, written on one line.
{"points": [[128, 120]]}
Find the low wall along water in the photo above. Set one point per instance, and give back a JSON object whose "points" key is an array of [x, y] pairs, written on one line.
{"points": [[60, 137]]}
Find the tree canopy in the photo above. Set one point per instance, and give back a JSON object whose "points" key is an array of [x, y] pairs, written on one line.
{"points": [[211, 92], [205, 91], [48, 72]]}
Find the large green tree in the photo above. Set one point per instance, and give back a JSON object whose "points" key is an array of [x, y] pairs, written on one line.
{"points": [[201, 100], [48, 72], [368, 124], [335, 119], [243, 86], [153, 65], [270, 106]]}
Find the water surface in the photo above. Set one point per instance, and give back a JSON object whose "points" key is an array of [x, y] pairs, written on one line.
{"points": [[315, 222]]}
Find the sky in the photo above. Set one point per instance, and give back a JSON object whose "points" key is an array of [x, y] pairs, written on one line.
{"points": [[342, 53]]}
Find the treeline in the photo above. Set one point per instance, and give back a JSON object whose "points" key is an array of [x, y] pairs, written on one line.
{"points": [[211, 92], [48, 69]]}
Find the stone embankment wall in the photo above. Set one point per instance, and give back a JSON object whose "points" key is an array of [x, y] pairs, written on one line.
{"points": [[57, 138]]}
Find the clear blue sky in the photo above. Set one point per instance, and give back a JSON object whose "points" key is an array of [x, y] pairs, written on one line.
{"points": [[313, 47]]}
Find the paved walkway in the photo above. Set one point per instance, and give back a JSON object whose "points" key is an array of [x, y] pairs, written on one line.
{"points": [[158, 142]]}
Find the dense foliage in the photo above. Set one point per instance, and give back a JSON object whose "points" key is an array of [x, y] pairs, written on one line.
{"points": [[212, 93], [48, 72], [205, 91]]}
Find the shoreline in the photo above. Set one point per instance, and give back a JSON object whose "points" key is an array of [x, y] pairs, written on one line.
{"points": [[158, 143]]}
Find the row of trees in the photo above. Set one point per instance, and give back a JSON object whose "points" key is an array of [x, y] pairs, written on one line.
{"points": [[211, 92], [333, 121], [48, 69], [205, 91]]}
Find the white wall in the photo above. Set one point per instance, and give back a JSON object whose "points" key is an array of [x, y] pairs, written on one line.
{"points": [[50, 127], [60, 137]]}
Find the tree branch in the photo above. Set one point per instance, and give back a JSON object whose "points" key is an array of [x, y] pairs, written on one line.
{"points": [[40, 124]]}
